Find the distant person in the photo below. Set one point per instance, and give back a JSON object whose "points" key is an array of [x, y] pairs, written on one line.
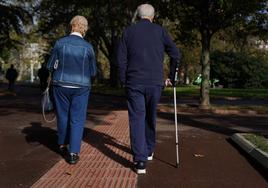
{"points": [[11, 76], [43, 75], [140, 58], [72, 64]]}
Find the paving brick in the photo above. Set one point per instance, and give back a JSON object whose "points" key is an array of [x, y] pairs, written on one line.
{"points": [[104, 159]]}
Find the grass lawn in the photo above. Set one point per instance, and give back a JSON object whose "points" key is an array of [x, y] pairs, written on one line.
{"points": [[243, 93], [260, 108], [193, 91], [258, 140], [221, 92]]}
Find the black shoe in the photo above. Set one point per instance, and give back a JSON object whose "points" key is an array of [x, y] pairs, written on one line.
{"points": [[140, 167], [63, 150], [72, 158]]}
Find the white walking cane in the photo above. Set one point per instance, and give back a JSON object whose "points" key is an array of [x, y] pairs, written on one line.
{"points": [[176, 120]]}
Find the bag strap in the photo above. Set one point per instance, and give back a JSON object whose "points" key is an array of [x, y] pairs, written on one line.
{"points": [[48, 83], [46, 94]]}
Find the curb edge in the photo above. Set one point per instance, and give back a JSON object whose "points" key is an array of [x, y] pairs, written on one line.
{"points": [[259, 155]]}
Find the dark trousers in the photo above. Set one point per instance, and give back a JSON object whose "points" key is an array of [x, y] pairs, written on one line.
{"points": [[43, 85], [142, 111], [71, 108], [11, 85]]}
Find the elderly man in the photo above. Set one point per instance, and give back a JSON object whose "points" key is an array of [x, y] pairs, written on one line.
{"points": [[140, 58], [72, 64]]}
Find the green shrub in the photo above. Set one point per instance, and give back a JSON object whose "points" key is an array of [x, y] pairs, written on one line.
{"points": [[240, 69]]}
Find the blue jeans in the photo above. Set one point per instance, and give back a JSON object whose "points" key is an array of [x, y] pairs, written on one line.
{"points": [[142, 103], [71, 107]]}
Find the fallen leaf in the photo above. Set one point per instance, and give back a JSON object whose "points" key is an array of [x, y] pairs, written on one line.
{"points": [[68, 173], [199, 155]]}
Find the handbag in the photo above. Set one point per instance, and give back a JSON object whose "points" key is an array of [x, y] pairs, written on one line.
{"points": [[48, 112]]}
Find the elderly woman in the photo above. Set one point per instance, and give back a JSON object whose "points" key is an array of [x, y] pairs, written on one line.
{"points": [[72, 64]]}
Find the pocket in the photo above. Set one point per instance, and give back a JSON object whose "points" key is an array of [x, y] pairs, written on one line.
{"points": [[56, 64]]}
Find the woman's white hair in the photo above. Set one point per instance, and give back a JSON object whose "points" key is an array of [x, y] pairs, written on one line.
{"points": [[145, 10], [79, 24]]}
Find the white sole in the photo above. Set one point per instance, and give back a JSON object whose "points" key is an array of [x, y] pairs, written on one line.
{"points": [[150, 158], [141, 171]]}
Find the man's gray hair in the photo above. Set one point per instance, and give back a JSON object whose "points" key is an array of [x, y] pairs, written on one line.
{"points": [[145, 10]]}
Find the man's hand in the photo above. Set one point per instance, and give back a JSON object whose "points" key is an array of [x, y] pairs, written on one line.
{"points": [[168, 82]]}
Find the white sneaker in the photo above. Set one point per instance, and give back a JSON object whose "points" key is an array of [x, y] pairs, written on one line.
{"points": [[141, 171], [150, 157], [140, 167]]}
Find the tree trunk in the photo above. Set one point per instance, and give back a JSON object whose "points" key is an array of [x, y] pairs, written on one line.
{"points": [[205, 62], [186, 74]]}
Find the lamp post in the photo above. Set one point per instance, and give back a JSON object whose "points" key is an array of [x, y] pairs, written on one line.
{"points": [[33, 55]]}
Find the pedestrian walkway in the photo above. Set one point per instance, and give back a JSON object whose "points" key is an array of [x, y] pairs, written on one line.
{"points": [[105, 159], [208, 159]]}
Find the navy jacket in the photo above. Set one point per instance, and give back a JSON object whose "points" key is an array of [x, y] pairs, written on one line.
{"points": [[140, 54], [72, 62]]}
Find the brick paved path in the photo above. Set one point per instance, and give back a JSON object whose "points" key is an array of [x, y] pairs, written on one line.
{"points": [[105, 159]]}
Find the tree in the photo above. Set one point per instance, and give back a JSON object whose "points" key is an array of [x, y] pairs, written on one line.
{"points": [[209, 17], [240, 69], [13, 15], [107, 18]]}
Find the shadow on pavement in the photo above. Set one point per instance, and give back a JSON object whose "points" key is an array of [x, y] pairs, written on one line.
{"points": [[37, 134], [5, 112], [103, 142], [164, 162], [222, 124]]}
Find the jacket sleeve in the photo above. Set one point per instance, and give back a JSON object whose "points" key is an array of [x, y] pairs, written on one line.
{"points": [[173, 53], [122, 59], [92, 65], [53, 58]]}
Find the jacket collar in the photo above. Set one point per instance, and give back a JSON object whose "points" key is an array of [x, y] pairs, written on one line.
{"points": [[145, 20], [76, 34]]}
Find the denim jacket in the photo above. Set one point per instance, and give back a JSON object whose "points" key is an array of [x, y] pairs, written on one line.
{"points": [[72, 62]]}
